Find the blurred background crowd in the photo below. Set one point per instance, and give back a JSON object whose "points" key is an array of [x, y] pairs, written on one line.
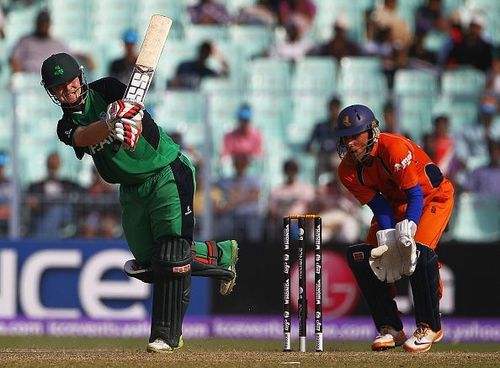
{"points": [[251, 90]]}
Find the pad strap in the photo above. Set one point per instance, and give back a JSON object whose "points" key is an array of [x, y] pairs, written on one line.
{"points": [[212, 257]]}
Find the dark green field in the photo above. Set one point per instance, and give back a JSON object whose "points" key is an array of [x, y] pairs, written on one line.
{"points": [[125, 353]]}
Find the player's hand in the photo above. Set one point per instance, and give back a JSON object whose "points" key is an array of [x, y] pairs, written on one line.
{"points": [[123, 109], [405, 233], [385, 260], [128, 131]]}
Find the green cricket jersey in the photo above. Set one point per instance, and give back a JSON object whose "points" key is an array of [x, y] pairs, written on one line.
{"points": [[155, 150]]}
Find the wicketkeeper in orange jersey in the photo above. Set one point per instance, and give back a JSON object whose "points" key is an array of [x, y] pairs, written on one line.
{"points": [[412, 204]]}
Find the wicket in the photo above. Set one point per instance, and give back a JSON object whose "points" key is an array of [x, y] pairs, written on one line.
{"points": [[302, 297]]}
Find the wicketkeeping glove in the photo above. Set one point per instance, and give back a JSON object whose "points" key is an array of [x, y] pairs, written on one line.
{"points": [[385, 260], [128, 131], [123, 109], [405, 233]]}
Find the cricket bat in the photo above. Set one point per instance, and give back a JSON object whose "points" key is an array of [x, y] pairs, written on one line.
{"points": [[147, 60]]}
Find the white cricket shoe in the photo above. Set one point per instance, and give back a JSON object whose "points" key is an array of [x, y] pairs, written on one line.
{"points": [[388, 338], [160, 346], [422, 339], [226, 286]]}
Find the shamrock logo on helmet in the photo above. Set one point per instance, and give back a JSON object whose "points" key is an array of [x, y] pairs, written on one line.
{"points": [[58, 70]]}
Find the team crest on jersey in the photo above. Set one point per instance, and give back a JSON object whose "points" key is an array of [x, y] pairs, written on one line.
{"points": [[404, 163], [346, 121]]}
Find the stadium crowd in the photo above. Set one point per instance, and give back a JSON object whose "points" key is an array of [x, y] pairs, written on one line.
{"points": [[249, 194]]}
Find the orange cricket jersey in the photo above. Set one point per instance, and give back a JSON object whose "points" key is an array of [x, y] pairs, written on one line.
{"points": [[399, 164]]}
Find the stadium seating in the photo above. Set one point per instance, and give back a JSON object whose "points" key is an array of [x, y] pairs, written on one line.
{"points": [[269, 75], [477, 218], [287, 99], [328, 11], [464, 82], [416, 92], [307, 110], [199, 33], [182, 111], [254, 40], [315, 74]]}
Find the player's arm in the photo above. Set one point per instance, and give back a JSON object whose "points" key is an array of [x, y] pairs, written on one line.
{"points": [[81, 136], [382, 211], [415, 199], [91, 134]]}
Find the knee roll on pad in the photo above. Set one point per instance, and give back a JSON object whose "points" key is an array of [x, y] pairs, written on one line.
{"points": [[377, 293], [425, 288], [172, 256]]}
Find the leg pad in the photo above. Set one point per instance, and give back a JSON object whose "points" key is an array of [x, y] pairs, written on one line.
{"points": [[377, 293]]}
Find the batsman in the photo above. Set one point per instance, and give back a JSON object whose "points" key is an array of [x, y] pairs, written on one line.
{"points": [[156, 191], [412, 204]]}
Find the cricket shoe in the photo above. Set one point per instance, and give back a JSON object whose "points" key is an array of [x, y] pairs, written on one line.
{"points": [[160, 346], [227, 286], [388, 338], [422, 339]]}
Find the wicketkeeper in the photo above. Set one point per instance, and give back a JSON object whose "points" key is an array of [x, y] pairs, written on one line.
{"points": [[156, 191], [411, 203]]}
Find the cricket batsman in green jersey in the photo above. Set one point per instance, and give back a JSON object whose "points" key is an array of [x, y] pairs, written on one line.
{"points": [[156, 191]]}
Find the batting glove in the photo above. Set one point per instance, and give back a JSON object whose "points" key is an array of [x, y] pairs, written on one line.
{"points": [[128, 131], [123, 109]]}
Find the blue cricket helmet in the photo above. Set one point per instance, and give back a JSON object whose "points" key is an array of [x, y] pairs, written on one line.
{"points": [[355, 119]]}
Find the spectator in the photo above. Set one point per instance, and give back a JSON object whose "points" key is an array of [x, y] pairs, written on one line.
{"points": [[444, 148], [338, 209], [472, 49], [456, 34], [244, 139], [428, 144], [208, 12], [122, 67], [293, 47], [190, 151], [291, 197], [190, 73], [473, 142], [216, 195], [429, 16], [52, 203], [239, 211], [5, 195], [2, 23], [493, 77], [322, 141], [299, 12], [380, 44], [261, 13], [420, 57], [31, 50], [339, 45], [486, 179], [385, 16], [391, 120], [102, 217]]}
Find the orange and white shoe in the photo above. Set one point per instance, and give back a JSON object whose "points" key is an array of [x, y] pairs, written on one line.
{"points": [[388, 338], [422, 339]]}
